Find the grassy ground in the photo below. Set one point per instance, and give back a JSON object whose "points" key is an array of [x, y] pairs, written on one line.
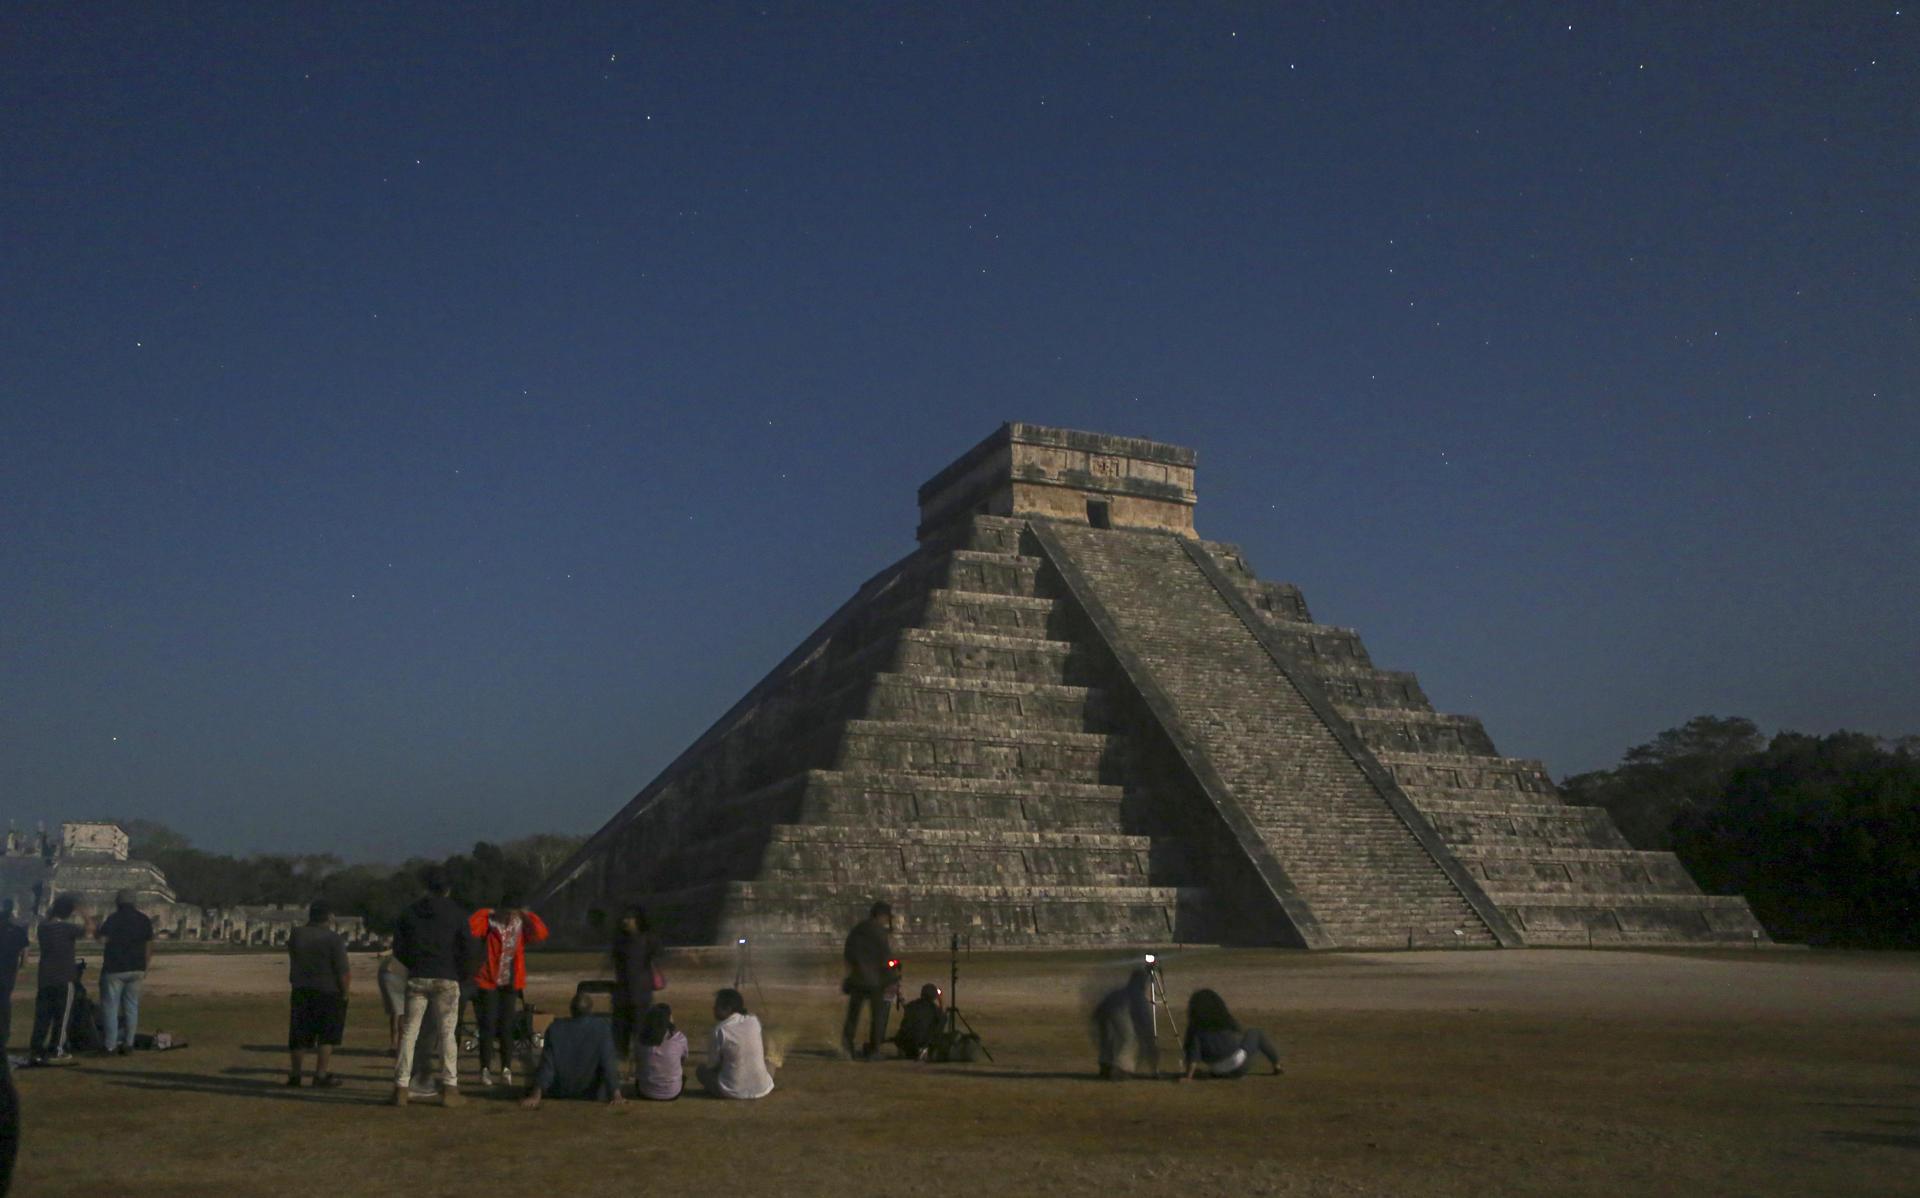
{"points": [[1559, 1073]]}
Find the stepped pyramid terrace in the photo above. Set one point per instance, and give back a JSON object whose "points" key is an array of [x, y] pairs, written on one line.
{"points": [[1067, 720]]}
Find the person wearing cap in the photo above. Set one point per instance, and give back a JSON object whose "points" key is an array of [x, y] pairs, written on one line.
{"points": [[920, 1022], [319, 978], [123, 967]]}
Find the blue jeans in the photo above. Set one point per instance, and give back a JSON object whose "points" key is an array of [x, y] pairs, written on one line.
{"points": [[120, 1006]]}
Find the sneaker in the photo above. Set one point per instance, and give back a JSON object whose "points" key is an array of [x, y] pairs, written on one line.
{"points": [[125, 1050], [450, 1096], [293, 1080], [486, 1077], [422, 1090], [400, 1095], [327, 1081], [506, 1077]]}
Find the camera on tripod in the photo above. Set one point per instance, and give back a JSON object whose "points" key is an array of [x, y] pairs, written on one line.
{"points": [[956, 1040]]}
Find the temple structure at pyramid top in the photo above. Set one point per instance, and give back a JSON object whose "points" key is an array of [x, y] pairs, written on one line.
{"points": [[1065, 719], [1028, 471]]}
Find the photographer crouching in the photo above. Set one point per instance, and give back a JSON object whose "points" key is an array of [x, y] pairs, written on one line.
{"points": [[870, 971]]}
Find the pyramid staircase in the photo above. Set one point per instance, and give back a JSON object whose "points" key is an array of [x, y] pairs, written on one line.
{"points": [[936, 744], [1065, 720], [1560, 874]]}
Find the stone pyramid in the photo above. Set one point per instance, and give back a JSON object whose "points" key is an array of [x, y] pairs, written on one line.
{"points": [[1064, 719]]}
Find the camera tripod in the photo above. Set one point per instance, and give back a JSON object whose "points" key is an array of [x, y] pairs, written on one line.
{"points": [[743, 973], [955, 1020], [1157, 998]]}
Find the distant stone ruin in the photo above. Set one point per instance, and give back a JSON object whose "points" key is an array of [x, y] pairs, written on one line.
{"points": [[1066, 720], [90, 861]]}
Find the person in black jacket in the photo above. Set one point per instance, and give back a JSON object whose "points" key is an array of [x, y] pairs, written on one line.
{"points": [[920, 1024], [868, 955], [59, 934], [9, 1124], [1126, 1012], [14, 943], [636, 958], [432, 941]]}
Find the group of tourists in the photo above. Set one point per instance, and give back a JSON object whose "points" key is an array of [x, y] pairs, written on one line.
{"points": [[66, 1019], [445, 958], [1124, 1020]]}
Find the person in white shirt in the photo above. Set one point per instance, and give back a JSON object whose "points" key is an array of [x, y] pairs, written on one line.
{"points": [[736, 1059]]}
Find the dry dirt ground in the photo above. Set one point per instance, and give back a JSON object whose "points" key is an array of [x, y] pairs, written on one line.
{"points": [[1478, 1073]]}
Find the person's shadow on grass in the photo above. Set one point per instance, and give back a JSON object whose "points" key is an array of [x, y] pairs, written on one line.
{"points": [[236, 1083], [1024, 1075], [338, 1052]]}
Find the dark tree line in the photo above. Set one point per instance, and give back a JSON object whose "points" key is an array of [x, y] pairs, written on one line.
{"points": [[480, 877], [1820, 833]]}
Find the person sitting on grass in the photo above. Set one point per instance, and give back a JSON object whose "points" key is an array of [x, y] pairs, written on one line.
{"points": [[1216, 1039], [736, 1057], [661, 1074], [579, 1060], [920, 1023]]}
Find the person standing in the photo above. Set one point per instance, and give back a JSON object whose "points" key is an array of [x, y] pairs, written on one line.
{"points": [[319, 977], [432, 941], [123, 970], [1126, 1012], [868, 955], [59, 935], [392, 977], [13, 953], [737, 1056], [502, 979], [636, 975], [9, 1125]]}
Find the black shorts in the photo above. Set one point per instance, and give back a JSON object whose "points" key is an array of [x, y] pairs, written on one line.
{"points": [[318, 1017]]}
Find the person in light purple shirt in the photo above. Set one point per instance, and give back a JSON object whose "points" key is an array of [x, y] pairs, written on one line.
{"points": [[661, 1071]]}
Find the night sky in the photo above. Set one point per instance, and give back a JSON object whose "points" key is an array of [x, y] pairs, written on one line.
{"points": [[417, 425]]}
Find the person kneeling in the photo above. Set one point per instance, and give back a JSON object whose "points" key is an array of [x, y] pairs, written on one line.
{"points": [[1216, 1039], [920, 1022], [736, 1058], [578, 1060]]}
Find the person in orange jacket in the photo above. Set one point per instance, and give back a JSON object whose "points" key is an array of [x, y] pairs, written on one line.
{"points": [[507, 930]]}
